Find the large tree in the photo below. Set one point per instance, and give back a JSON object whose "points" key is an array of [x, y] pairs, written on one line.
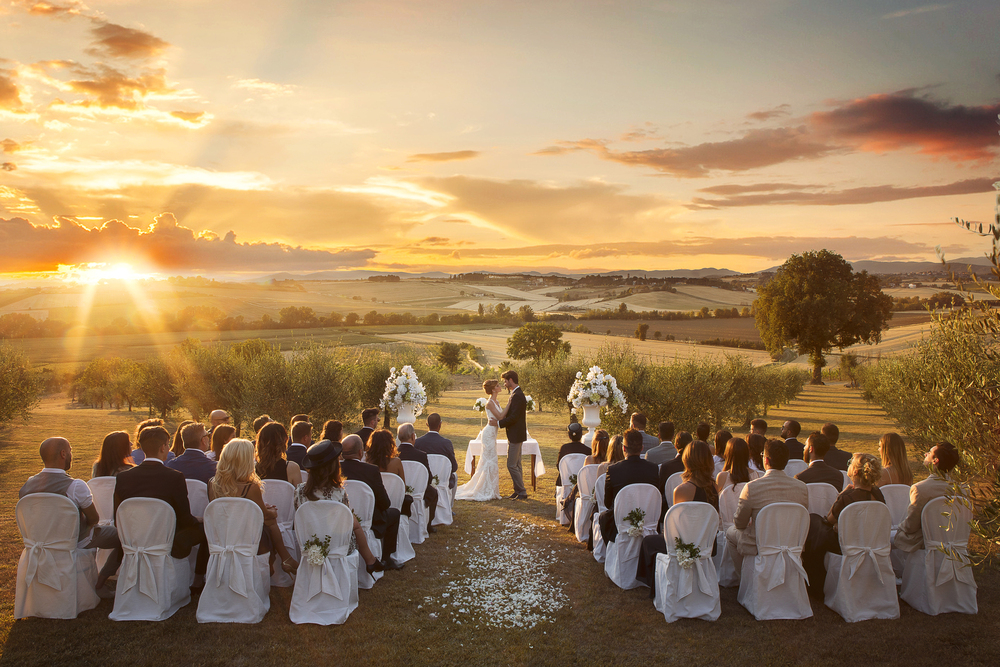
{"points": [[536, 340], [817, 302]]}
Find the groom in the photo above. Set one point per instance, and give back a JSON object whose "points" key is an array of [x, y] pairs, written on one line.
{"points": [[517, 433]]}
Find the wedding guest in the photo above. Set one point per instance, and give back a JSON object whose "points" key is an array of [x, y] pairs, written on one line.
{"points": [[673, 466], [617, 449], [261, 421], [385, 519], [664, 451], [895, 465], [574, 446], [758, 426], [756, 443], [217, 418], [409, 452], [382, 452], [221, 435], [138, 456], [235, 477], [600, 451], [702, 431], [194, 463], [817, 448], [721, 440], [737, 468], [176, 441], [638, 423], [301, 441], [790, 432], [940, 460], [369, 422], [633, 470], [433, 442], [837, 458], [333, 431], [271, 461], [116, 455]]}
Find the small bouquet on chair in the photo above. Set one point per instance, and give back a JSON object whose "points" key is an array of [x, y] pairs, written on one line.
{"points": [[687, 553], [315, 550], [572, 480], [435, 481], [635, 519]]}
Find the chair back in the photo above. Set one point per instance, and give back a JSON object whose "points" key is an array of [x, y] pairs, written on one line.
{"points": [[570, 465], [694, 523], [821, 497], [416, 477], [782, 525], [441, 467], [322, 518], [897, 499], [847, 479], [362, 501], [395, 488], [281, 494], [144, 522], [860, 584], [305, 475], [672, 483], [103, 490], [236, 589], [599, 492], [197, 497], [586, 479], [728, 500], [645, 497], [327, 593], [234, 522], [864, 524], [795, 466], [946, 521]]}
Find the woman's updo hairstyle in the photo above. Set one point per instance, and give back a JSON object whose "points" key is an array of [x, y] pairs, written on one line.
{"points": [[489, 386], [865, 467]]}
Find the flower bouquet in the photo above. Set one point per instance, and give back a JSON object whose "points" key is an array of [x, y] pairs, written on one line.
{"points": [[315, 550], [634, 519], [403, 388], [687, 553], [530, 405], [597, 389]]}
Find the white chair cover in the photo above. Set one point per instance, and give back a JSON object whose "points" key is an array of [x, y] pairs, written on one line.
{"points": [[416, 479], [937, 579], [103, 491], [860, 584], [362, 501], [688, 592], [729, 576], [600, 546], [281, 494], [795, 466], [395, 488], [847, 479], [821, 498], [569, 466], [152, 585], [238, 582], [54, 578], [305, 474], [672, 483], [584, 501], [897, 499], [773, 583], [623, 554], [328, 593], [197, 497], [441, 466]]}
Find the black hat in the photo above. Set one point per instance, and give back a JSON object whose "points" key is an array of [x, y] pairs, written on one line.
{"points": [[575, 428], [321, 453]]}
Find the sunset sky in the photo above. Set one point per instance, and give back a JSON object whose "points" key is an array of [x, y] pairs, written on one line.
{"points": [[244, 137]]}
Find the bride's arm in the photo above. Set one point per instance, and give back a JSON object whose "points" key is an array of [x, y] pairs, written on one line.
{"points": [[503, 413]]}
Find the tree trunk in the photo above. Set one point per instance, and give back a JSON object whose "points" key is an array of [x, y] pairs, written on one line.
{"points": [[818, 362]]}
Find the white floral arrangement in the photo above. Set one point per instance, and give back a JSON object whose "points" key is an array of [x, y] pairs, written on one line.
{"points": [[409, 489], [403, 387], [480, 404], [316, 551], [435, 481], [687, 554], [530, 404], [635, 519], [597, 388]]}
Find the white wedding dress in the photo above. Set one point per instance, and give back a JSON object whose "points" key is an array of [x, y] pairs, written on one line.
{"points": [[485, 484]]}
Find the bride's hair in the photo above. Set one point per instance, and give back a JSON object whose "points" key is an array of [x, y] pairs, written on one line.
{"points": [[490, 385]]}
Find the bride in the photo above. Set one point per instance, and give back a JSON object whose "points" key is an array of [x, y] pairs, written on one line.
{"points": [[485, 484]]}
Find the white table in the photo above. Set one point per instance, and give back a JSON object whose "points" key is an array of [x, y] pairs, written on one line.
{"points": [[530, 447]]}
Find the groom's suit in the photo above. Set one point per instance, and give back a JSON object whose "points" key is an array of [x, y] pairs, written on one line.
{"points": [[517, 432]]}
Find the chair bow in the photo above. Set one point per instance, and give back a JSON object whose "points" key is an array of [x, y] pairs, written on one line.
{"points": [[42, 564], [952, 567], [793, 554], [227, 556], [685, 577], [325, 578], [136, 559], [855, 556]]}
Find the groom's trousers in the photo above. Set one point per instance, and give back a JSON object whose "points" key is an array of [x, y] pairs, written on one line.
{"points": [[514, 467]]}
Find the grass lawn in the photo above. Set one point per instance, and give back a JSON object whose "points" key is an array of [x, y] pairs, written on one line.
{"points": [[594, 622]]}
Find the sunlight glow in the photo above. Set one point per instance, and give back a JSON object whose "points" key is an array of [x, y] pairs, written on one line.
{"points": [[93, 273]]}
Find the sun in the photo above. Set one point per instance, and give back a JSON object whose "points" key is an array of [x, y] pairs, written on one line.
{"points": [[94, 273]]}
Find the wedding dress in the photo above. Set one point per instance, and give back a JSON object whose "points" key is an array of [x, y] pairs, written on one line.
{"points": [[485, 484]]}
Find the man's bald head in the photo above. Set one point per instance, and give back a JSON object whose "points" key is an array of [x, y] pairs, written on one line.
{"points": [[56, 453], [218, 417], [406, 433], [352, 446]]}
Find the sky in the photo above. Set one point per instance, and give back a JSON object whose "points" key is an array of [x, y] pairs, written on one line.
{"points": [[240, 138]]}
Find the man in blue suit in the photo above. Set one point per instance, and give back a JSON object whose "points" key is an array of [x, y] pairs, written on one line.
{"points": [[193, 463]]}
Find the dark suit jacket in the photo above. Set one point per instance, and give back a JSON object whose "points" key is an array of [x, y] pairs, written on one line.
{"points": [[408, 452], [570, 448], [155, 480], [633, 470], [296, 452], [435, 443], [672, 466], [795, 448], [365, 433], [838, 458], [372, 476], [193, 464], [514, 423], [819, 471]]}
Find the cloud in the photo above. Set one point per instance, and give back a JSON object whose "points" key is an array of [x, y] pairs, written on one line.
{"points": [[732, 189], [443, 157], [267, 88], [767, 114], [10, 146], [107, 87], [193, 117], [645, 133], [53, 9], [915, 10], [164, 246], [10, 94], [8, 166], [121, 42]]}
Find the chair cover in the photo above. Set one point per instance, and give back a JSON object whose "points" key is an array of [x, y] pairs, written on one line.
{"points": [[847, 479], [54, 578], [396, 489], [103, 491], [584, 501], [821, 498], [795, 466], [897, 499], [688, 592], [197, 497], [305, 474], [623, 554], [328, 593], [569, 465], [363, 504], [672, 483], [441, 466], [860, 584], [416, 479], [281, 494], [151, 584], [937, 578], [729, 576], [600, 546], [773, 583], [237, 583]]}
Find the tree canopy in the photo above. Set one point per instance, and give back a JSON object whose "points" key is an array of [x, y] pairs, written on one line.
{"points": [[817, 302], [536, 340]]}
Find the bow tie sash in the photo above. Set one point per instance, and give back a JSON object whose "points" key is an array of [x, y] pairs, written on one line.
{"points": [[326, 578], [952, 565], [855, 556], [228, 559], [685, 576], [775, 557], [41, 562], [137, 567]]}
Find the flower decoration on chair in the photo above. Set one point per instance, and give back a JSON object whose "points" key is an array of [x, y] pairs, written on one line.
{"points": [[635, 519], [687, 553], [316, 550], [402, 387], [409, 489], [572, 480], [435, 481], [530, 405], [597, 388]]}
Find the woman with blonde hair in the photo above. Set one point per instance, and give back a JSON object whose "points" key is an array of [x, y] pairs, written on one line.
{"points": [[617, 449], [599, 448], [235, 477], [895, 466], [221, 434]]}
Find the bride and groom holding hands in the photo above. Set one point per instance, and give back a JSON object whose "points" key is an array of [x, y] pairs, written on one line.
{"points": [[485, 483]]}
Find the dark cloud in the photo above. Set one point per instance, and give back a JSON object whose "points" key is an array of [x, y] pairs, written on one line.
{"points": [[10, 94], [10, 146], [164, 246], [756, 187], [767, 114], [120, 42], [8, 166], [107, 87], [443, 157]]}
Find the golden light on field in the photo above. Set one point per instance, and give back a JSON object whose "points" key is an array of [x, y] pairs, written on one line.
{"points": [[93, 273]]}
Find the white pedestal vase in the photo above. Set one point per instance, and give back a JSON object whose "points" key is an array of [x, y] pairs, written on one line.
{"points": [[591, 419], [407, 414]]}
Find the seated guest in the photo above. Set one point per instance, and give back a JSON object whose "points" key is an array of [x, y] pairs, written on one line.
{"points": [[176, 442], [790, 432], [616, 452], [737, 468], [837, 458], [260, 422], [774, 487], [664, 451], [217, 418], [221, 434], [574, 446], [152, 479], [194, 463], [719, 442], [895, 465], [756, 443], [385, 519], [433, 442], [633, 470], [57, 458], [864, 472], [333, 431], [940, 461], [301, 441], [817, 447], [369, 422], [116, 455], [759, 427], [325, 483], [702, 432], [599, 456], [673, 466], [236, 478], [271, 461], [382, 452], [638, 423], [409, 452], [137, 453]]}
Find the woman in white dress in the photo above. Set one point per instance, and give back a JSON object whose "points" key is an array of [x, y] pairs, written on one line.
{"points": [[485, 484]]}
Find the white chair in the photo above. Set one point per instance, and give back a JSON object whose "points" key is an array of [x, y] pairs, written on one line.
{"points": [[54, 578], [305, 474], [103, 491], [569, 467], [623, 554], [688, 592], [197, 497], [729, 576], [237, 582], [600, 546], [152, 585], [897, 499], [860, 583], [672, 483], [362, 501], [795, 466], [281, 494], [325, 594], [821, 498], [441, 468], [585, 481], [847, 479], [773, 583], [395, 488], [416, 479], [938, 579]]}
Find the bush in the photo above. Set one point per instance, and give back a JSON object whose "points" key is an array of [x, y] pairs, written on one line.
{"points": [[19, 386]]}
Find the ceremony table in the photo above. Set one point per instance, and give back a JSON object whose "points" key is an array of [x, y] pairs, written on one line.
{"points": [[530, 446]]}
